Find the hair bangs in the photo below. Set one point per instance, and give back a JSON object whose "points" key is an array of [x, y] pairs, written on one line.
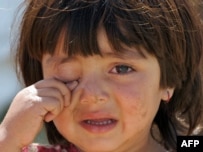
{"points": [[76, 24], [118, 22], [79, 26]]}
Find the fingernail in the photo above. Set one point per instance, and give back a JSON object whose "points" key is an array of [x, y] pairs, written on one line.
{"points": [[72, 85]]}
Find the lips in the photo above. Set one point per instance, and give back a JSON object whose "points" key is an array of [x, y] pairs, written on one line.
{"points": [[98, 125]]}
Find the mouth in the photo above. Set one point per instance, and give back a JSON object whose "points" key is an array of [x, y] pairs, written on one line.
{"points": [[99, 125]]}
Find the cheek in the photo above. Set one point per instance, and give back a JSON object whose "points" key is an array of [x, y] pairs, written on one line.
{"points": [[137, 102], [48, 71], [130, 100], [63, 122]]}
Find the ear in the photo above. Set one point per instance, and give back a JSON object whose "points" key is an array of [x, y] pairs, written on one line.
{"points": [[167, 94]]}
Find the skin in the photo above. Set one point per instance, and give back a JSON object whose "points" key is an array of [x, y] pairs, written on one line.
{"points": [[120, 92], [102, 91], [32, 106]]}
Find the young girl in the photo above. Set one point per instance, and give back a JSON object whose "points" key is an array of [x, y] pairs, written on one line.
{"points": [[106, 76]]}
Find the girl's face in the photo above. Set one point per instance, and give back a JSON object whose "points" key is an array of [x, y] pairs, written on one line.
{"points": [[114, 99]]}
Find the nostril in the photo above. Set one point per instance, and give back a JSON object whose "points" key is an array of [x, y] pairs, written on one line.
{"points": [[72, 84], [91, 98], [100, 99]]}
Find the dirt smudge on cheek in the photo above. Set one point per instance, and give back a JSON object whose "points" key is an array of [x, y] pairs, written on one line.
{"points": [[137, 107]]}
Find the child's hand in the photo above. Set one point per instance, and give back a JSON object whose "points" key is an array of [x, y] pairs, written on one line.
{"points": [[40, 102]]}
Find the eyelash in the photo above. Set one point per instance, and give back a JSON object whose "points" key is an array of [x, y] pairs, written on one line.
{"points": [[117, 69]]}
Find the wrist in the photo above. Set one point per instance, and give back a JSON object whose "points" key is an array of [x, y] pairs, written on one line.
{"points": [[7, 143]]}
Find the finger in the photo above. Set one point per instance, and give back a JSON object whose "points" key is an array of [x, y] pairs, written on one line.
{"points": [[75, 99], [49, 117], [71, 85], [51, 107], [52, 92], [53, 83], [58, 85], [66, 100]]}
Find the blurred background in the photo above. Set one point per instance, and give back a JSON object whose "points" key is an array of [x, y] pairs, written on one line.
{"points": [[9, 84]]}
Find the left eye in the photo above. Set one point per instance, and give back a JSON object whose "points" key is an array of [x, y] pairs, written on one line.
{"points": [[121, 69]]}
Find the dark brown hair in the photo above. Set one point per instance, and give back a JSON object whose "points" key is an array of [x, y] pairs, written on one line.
{"points": [[168, 29]]}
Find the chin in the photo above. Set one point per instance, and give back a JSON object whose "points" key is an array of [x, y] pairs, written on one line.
{"points": [[97, 147]]}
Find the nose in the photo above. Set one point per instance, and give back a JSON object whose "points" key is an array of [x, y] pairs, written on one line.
{"points": [[94, 91]]}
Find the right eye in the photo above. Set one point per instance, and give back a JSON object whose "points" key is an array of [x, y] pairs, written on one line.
{"points": [[122, 69]]}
